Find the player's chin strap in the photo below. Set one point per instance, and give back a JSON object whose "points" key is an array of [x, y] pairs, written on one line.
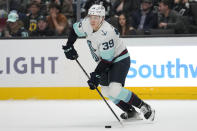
{"points": [[102, 19], [99, 93]]}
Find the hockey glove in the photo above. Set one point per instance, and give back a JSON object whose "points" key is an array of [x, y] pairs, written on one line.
{"points": [[93, 82], [70, 52]]}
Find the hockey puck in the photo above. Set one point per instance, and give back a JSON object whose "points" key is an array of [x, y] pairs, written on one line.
{"points": [[107, 126]]}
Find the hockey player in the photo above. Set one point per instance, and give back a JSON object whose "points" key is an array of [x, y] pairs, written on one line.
{"points": [[113, 60]]}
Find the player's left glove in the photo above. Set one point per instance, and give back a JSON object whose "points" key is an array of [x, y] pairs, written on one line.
{"points": [[93, 82], [70, 52]]}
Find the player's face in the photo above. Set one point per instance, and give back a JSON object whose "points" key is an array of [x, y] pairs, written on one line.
{"points": [[95, 21]]}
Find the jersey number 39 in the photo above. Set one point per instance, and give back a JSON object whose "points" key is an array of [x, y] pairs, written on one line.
{"points": [[108, 45]]}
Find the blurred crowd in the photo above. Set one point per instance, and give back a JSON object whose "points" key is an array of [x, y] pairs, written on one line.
{"points": [[46, 18]]}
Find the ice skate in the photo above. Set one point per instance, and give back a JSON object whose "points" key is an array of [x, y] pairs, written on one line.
{"points": [[148, 112], [132, 114]]}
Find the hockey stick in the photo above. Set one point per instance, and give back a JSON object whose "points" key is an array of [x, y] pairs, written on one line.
{"points": [[100, 93]]}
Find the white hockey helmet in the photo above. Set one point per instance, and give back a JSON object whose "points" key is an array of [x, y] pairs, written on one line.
{"points": [[98, 10]]}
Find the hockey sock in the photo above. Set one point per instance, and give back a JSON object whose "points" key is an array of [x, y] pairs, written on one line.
{"points": [[121, 104], [124, 106], [135, 101], [129, 97]]}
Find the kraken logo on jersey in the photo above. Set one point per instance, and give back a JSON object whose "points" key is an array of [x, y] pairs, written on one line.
{"points": [[92, 50], [104, 33], [80, 24]]}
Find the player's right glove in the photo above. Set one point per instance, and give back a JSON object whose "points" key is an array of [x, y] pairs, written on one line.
{"points": [[70, 52], [93, 82]]}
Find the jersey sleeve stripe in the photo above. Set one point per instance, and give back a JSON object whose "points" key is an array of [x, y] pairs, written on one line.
{"points": [[105, 61], [121, 57]]}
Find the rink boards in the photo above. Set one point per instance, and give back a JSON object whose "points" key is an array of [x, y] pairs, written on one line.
{"points": [[161, 68]]}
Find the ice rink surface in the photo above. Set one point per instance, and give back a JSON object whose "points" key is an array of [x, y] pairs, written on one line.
{"points": [[93, 115]]}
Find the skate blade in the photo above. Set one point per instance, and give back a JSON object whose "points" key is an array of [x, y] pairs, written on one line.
{"points": [[133, 119]]}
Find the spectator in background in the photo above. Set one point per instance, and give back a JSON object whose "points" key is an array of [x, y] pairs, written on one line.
{"points": [[32, 17], [2, 28], [14, 4], [43, 28], [43, 6], [58, 2], [114, 21], [3, 19], [18, 5], [156, 2], [57, 21], [15, 26], [125, 6], [182, 7], [169, 19], [124, 27], [184, 10], [66, 7], [144, 18], [3, 4], [67, 10]]}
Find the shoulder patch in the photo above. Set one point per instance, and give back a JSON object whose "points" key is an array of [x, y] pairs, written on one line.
{"points": [[80, 24]]}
